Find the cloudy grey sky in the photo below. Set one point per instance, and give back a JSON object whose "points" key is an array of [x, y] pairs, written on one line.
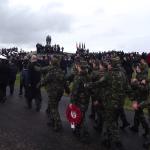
{"points": [[102, 25]]}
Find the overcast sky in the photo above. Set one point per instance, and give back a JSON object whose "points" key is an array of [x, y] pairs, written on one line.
{"points": [[100, 24]]}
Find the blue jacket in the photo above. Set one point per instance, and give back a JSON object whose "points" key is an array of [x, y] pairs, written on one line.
{"points": [[25, 77]]}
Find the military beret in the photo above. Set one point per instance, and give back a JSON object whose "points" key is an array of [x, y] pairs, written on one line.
{"points": [[115, 60]]}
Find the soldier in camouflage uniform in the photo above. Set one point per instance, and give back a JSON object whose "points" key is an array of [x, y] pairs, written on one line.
{"points": [[144, 69], [54, 82], [99, 98], [80, 97], [140, 94], [127, 91], [142, 105], [94, 93], [113, 82]]}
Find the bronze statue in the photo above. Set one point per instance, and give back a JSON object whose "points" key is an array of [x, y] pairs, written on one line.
{"points": [[48, 40]]}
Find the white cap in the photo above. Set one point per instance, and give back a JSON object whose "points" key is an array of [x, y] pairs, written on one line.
{"points": [[2, 57]]}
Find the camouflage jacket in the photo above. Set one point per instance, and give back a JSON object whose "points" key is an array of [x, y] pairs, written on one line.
{"points": [[115, 86], [80, 92], [95, 76], [139, 92], [54, 79]]}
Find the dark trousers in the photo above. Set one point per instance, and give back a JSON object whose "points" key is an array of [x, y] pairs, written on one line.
{"points": [[33, 93], [140, 118], [92, 108], [11, 86], [122, 115], [2, 91], [21, 86], [99, 118]]}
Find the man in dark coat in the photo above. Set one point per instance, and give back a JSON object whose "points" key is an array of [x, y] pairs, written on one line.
{"points": [[34, 78], [12, 76], [4, 78]]}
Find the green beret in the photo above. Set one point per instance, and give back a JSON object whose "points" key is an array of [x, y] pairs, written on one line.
{"points": [[115, 60]]}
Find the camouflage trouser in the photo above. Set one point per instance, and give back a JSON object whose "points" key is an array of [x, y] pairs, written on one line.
{"points": [[148, 108], [112, 130], [81, 129], [122, 115], [53, 112]]}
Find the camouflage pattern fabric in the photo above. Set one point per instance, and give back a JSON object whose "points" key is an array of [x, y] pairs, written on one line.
{"points": [[54, 82]]}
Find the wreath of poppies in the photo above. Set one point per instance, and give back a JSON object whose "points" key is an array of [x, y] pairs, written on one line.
{"points": [[74, 114]]}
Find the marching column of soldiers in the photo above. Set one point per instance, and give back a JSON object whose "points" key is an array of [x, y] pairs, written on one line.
{"points": [[101, 84]]}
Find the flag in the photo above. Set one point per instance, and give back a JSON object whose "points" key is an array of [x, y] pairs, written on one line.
{"points": [[84, 45], [79, 45], [76, 45]]}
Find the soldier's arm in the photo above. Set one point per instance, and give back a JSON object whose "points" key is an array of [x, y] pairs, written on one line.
{"points": [[134, 84], [132, 96], [69, 77], [44, 80], [128, 89], [99, 82], [75, 91], [144, 88], [133, 88], [66, 87], [42, 69]]}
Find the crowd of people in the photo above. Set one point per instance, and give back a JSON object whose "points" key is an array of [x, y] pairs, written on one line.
{"points": [[101, 81]]}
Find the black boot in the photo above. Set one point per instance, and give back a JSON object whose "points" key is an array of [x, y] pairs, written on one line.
{"points": [[98, 129], [57, 128], [125, 125], [47, 111], [3, 100], [50, 123], [134, 129], [146, 145], [38, 105], [76, 131], [146, 133], [106, 143], [20, 93], [117, 146], [85, 138], [92, 116], [29, 105], [38, 108]]}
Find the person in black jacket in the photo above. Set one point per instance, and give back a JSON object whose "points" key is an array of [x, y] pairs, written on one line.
{"points": [[12, 76], [4, 78], [24, 65], [63, 64], [34, 78], [25, 79]]}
